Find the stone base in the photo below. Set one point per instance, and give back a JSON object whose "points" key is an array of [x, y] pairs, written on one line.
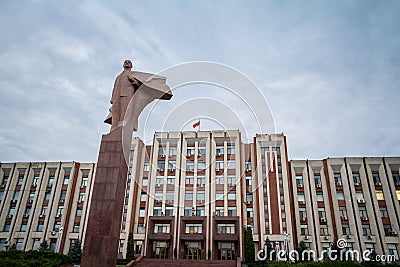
{"points": [[104, 222]]}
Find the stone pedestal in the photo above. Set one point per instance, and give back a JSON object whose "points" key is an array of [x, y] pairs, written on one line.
{"points": [[104, 222]]}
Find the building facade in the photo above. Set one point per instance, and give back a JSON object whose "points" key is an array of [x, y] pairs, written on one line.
{"points": [[192, 194]]}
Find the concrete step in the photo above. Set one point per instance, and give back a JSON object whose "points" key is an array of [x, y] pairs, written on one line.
{"points": [[148, 262]]}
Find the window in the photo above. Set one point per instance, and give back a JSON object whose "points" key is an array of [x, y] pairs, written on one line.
{"points": [[248, 181], [143, 197], [84, 181], [63, 195], [219, 165], [57, 226], [146, 167], [31, 196], [145, 181], [190, 165], [356, 179], [1, 197], [232, 195], [47, 195], [396, 178], [161, 151], [60, 210], [299, 181], [304, 229], [188, 211], [320, 196], [158, 195], [366, 230], [20, 180], [200, 211], [230, 150], [343, 212], [201, 165], [302, 214], [172, 165], [376, 178], [231, 164], [189, 151], [200, 196], [393, 251], [5, 180], [189, 180], [383, 211], [340, 195], [51, 180], [189, 195], [219, 150], [232, 211], [398, 194], [44, 210], [35, 180], [300, 197], [323, 230], [16, 196], [169, 211], [27, 211], [40, 226], [219, 180], [161, 165], [317, 179], [157, 211], [193, 228], [172, 151], [76, 227], [338, 178], [19, 243], [362, 212], [345, 229], [141, 212], [201, 180], [219, 195], [162, 228], [277, 150], [171, 180], [249, 197], [379, 195], [202, 151], [169, 196], [231, 180], [79, 212], [66, 180], [225, 228], [249, 212], [6, 227], [388, 229], [36, 244], [81, 197], [11, 211], [321, 213]]}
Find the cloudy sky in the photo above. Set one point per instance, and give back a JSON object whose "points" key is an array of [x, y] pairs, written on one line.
{"points": [[330, 71]]}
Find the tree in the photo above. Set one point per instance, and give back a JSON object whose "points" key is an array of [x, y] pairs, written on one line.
{"points": [[75, 251], [130, 250], [44, 246], [249, 251]]}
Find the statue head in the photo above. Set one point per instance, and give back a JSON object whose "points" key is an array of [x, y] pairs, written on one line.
{"points": [[127, 64]]}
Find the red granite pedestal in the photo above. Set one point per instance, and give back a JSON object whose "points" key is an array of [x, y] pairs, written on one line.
{"points": [[104, 222]]}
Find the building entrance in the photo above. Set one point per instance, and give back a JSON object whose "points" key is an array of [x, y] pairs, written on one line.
{"points": [[226, 250], [160, 250], [193, 250]]}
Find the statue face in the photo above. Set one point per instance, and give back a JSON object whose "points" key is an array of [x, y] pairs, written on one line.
{"points": [[127, 64]]}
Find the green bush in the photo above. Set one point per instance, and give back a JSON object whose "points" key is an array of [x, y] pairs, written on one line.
{"points": [[16, 258]]}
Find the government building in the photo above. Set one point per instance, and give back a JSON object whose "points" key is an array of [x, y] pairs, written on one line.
{"points": [[191, 195]]}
